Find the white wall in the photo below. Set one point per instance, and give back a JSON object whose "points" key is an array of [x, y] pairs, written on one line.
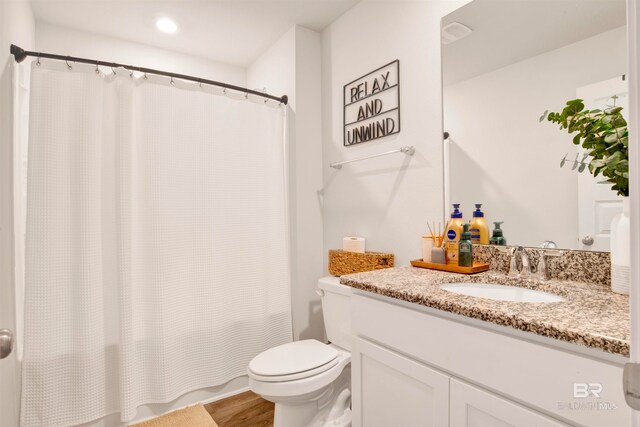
{"points": [[275, 70], [389, 199], [292, 67], [503, 157], [65, 41], [17, 27]]}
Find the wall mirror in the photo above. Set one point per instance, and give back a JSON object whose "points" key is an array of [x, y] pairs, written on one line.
{"points": [[504, 63]]}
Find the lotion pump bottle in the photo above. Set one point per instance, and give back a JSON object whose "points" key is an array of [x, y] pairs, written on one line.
{"points": [[479, 227], [452, 235]]}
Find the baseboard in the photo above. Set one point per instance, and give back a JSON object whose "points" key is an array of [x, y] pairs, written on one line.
{"points": [[226, 395]]}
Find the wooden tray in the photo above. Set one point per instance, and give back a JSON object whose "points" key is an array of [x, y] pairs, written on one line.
{"points": [[477, 267]]}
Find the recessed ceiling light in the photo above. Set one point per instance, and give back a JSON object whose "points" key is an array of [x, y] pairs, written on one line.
{"points": [[166, 25]]}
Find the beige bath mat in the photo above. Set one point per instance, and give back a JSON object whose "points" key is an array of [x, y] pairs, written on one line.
{"points": [[193, 416]]}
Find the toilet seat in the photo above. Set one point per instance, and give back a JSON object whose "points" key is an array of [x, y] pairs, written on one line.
{"points": [[293, 361], [295, 376], [312, 381]]}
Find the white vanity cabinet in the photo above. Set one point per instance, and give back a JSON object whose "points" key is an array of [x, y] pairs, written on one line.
{"points": [[412, 366]]}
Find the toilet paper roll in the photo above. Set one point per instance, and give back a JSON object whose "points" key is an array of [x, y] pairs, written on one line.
{"points": [[353, 244]]}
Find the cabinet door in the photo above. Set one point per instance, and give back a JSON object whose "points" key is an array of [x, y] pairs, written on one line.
{"points": [[473, 407], [392, 390]]}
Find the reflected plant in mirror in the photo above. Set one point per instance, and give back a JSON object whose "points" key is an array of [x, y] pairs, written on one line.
{"points": [[604, 136]]}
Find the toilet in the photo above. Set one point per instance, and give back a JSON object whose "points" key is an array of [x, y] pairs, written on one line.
{"points": [[309, 381]]}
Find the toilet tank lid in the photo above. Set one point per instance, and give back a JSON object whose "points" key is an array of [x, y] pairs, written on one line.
{"points": [[292, 358], [332, 284]]}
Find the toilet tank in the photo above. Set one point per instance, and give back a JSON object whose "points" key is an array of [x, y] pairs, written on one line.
{"points": [[336, 311]]}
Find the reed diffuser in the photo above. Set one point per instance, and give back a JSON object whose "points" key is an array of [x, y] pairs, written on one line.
{"points": [[432, 249]]}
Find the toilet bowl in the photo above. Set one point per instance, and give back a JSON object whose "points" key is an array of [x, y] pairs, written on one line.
{"points": [[309, 381]]}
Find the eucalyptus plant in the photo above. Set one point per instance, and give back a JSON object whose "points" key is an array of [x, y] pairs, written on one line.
{"points": [[604, 136]]}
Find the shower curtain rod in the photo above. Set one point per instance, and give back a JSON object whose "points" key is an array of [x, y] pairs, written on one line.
{"points": [[20, 55]]}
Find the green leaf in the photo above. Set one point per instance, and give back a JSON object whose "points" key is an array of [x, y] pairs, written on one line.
{"points": [[613, 110], [618, 121], [613, 159], [622, 166], [612, 137]]}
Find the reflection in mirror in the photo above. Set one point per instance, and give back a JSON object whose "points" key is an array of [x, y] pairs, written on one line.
{"points": [[519, 59]]}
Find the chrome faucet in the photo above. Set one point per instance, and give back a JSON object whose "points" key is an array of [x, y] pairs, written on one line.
{"points": [[513, 266]]}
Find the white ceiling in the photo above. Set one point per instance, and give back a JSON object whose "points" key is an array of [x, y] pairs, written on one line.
{"points": [[231, 31], [509, 31]]}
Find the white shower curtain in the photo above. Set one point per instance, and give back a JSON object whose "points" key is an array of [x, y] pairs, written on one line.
{"points": [[156, 244]]}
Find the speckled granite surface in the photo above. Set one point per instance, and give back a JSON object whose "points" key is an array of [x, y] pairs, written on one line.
{"points": [[589, 315], [579, 266]]}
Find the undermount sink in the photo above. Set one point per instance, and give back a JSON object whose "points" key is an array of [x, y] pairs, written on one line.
{"points": [[500, 292]]}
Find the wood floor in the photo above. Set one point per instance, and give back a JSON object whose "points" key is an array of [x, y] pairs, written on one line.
{"points": [[242, 410]]}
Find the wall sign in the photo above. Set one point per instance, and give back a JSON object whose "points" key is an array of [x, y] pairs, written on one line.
{"points": [[372, 105]]}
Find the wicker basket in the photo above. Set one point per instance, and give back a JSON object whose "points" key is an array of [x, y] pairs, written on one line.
{"points": [[342, 262]]}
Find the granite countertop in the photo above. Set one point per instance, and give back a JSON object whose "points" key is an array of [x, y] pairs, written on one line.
{"points": [[590, 315]]}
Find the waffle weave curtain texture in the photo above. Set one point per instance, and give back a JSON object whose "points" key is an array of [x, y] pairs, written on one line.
{"points": [[156, 246]]}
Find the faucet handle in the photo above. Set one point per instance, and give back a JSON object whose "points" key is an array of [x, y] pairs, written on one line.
{"points": [[526, 265], [541, 269], [513, 265]]}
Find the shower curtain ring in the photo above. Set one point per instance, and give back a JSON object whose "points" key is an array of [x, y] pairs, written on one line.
{"points": [[145, 76], [246, 95], [131, 73], [172, 82], [113, 70], [200, 85], [69, 67], [97, 69], [224, 90], [38, 61]]}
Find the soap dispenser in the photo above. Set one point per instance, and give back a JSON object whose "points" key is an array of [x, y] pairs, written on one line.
{"points": [[479, 227], [497, 238]]}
